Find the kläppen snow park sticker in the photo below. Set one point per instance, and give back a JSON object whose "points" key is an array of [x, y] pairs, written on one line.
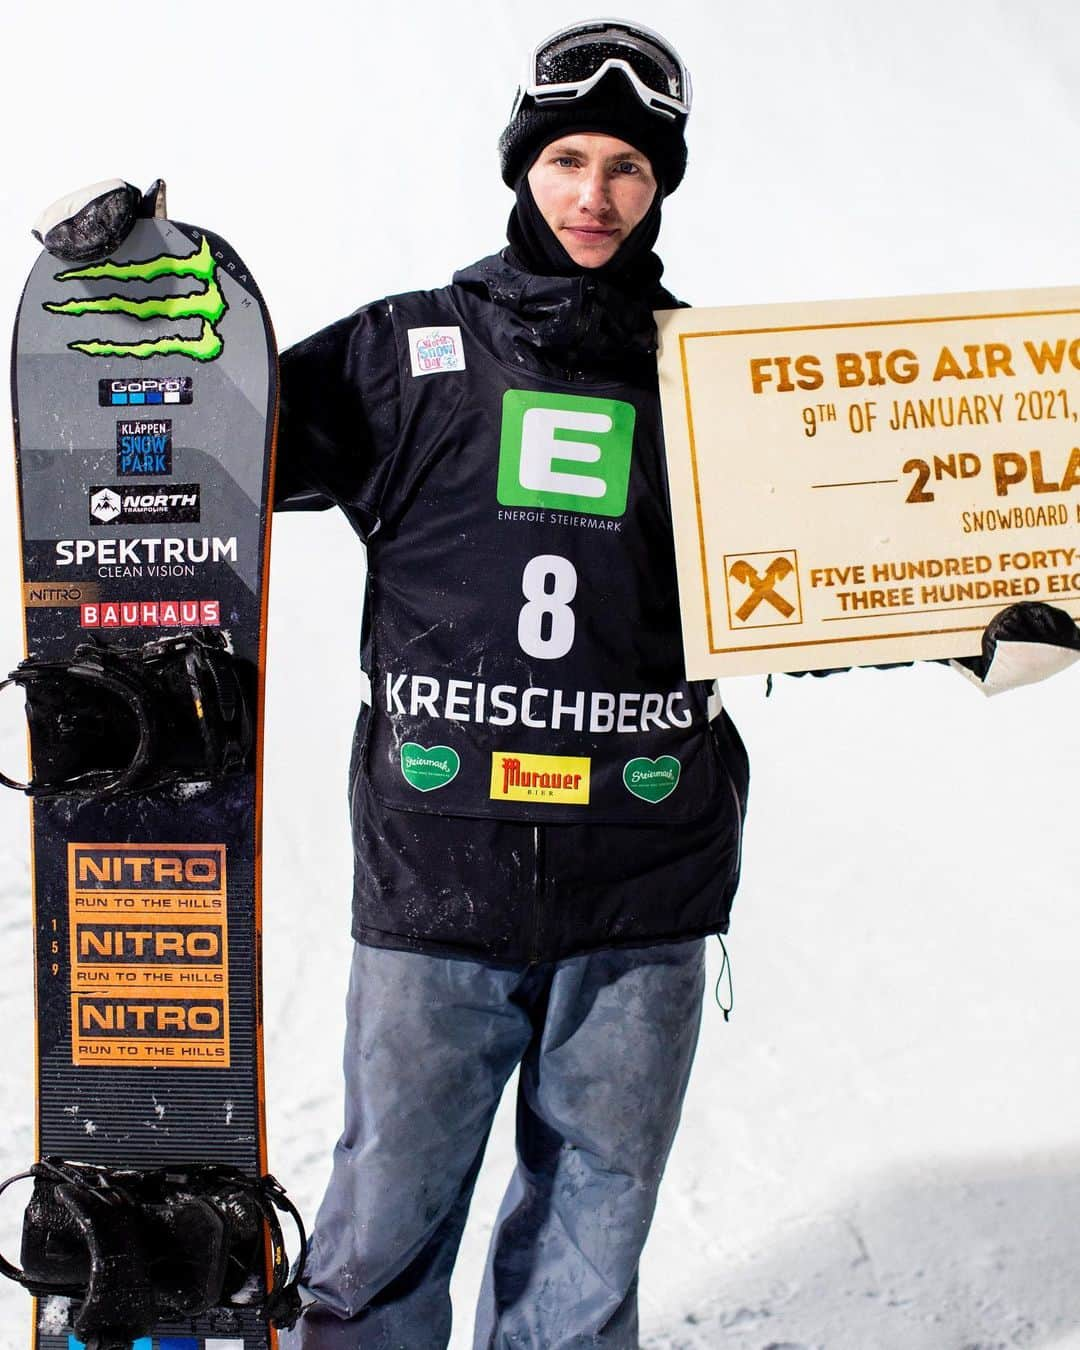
{"points": [[652, 779], [428, 769]]}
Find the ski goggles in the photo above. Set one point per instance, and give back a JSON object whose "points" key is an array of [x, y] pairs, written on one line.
{"points": [[571, 62]]}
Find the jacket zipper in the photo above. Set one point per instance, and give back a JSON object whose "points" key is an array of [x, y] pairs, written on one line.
{"points": [[735, 801], [534, 943], [738, 821]]}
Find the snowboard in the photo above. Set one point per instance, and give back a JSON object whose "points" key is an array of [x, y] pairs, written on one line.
{"points": [[144, 396]]}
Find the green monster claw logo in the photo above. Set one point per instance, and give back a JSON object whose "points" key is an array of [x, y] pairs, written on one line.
{"points": [[208, 305]]}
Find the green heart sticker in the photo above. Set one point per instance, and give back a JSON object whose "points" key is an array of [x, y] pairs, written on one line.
{"points": [[652, 779], [427, 770]]}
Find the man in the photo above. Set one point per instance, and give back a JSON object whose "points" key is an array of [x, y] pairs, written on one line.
{"points": [[546, 815], [546, 820]]}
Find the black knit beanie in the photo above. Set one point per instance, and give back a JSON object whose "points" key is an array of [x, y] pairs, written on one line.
{"points": [[611, 108]]}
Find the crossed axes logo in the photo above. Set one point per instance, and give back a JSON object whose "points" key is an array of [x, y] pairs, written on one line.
{"points": [[762, 588]]}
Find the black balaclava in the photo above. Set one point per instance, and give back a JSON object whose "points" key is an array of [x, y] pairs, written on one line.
{"points": [[611, 314], [534, 246]]}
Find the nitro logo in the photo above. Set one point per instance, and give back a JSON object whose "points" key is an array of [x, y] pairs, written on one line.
{"points": [[151, 614], [143, 448], [177, 504], [122, 944], [435, 349], [543, 778], [155, 867], [42, 594], [134, 1018], [146, 392], [208, 305]]}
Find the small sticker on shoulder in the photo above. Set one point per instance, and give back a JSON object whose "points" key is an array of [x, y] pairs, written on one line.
{"points": [[432, 350]]}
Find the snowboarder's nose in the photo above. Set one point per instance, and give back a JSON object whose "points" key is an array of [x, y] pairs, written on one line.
{"points": [[594, 194]]}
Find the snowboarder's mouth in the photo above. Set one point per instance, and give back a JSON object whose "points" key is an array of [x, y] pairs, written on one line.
{"points": [[590, 233]]}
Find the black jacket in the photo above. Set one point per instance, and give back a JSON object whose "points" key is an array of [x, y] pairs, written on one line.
{"points": [[535, 777]]}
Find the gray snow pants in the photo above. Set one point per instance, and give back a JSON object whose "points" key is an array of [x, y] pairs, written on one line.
{"points": [[604, 1042]]}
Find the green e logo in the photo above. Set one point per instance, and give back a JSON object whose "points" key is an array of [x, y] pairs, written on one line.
{"points": [[564, 451]]}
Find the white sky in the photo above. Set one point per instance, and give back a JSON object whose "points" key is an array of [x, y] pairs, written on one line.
{"points": [[880, 1151]]}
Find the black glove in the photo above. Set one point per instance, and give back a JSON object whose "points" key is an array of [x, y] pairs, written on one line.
{"points": [[1023, 644], [92, 222]]}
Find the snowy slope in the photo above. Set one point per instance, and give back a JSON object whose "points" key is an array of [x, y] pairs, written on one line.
{"points": [[881, 1151]]}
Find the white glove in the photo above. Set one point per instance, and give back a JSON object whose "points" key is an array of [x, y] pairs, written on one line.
{"points": [[1023, 644], [92, 222]]}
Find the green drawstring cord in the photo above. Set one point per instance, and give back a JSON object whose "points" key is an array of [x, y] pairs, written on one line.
{"points": [[725, 967]]}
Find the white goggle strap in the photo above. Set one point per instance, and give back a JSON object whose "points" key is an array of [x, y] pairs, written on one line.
{"points": [[664, 105], [636, 36]]}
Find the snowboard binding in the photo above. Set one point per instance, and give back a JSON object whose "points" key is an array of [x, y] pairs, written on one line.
{"points": [[136, 1246], [117, 719]]}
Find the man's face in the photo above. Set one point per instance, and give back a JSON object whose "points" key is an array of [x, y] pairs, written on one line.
{"points": [[592, 190]]}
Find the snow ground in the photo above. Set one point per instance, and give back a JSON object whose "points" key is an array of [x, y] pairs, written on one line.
{"points": [[881, 1151]]}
